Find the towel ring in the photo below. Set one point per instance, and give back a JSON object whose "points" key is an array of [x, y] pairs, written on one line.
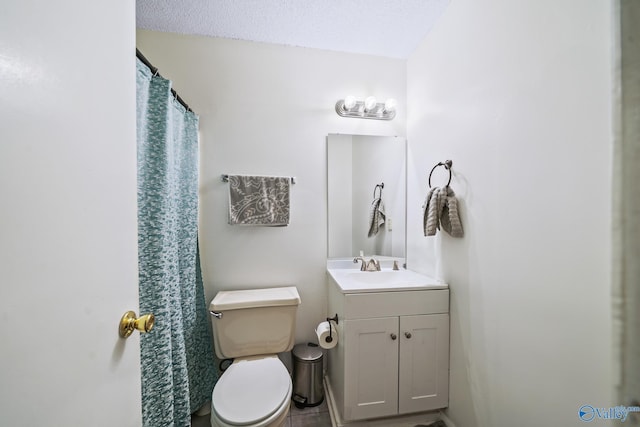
{"points": [[447, 165], [380, 186]]}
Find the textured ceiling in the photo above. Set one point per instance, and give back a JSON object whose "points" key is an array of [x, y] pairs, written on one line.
{"points": [[391, 28]]}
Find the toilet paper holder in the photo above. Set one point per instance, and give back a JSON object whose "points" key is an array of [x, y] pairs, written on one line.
{"points": [[329, 319]]}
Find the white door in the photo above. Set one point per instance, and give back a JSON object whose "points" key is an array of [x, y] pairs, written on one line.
{"points": [[68, 238], [371, 368], [424, 363]]}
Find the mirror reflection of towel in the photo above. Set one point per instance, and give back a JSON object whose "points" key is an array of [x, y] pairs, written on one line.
{"points": [[259, 200], [376, 216]]}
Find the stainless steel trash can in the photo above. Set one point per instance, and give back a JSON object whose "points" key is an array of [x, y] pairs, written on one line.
{"points": [[307, 375]]}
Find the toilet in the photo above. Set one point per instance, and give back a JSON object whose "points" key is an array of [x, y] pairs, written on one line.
{"points": [[252, 327]]}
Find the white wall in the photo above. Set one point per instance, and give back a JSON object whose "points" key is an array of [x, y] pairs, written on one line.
{"points": [[267, 109], [518, 95], [68, 238]]}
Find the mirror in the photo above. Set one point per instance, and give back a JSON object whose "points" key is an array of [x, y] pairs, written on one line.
{"points": [[355, 165]]}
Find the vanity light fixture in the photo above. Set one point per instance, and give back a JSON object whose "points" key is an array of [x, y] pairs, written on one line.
{"points": [[370, 108]]}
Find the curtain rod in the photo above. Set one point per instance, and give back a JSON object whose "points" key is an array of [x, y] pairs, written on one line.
{"points": [[155, 72]]}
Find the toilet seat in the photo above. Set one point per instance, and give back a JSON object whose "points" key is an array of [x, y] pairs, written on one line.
{"points": [[251, 391]]}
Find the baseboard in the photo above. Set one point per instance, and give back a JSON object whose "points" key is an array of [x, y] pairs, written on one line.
{"points": [[446, 420], [331, 403]]}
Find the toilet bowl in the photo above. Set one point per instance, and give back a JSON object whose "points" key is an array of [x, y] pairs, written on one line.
{"points": [[252, 392], [252, 327]]}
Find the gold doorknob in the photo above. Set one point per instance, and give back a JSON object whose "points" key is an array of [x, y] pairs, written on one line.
{"points": [[129, 323]]}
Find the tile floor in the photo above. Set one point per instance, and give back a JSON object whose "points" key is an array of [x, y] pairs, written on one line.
{"points": [[317, 416]]}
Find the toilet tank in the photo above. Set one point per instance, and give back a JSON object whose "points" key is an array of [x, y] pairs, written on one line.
{"points": [[254, 322]]}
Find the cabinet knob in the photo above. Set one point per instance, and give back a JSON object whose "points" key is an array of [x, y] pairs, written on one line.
{"points": [[394, 336], [407, 334]]}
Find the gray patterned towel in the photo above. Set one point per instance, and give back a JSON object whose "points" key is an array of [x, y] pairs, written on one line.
{"points": [[440, 210], [259, 200], [431, 212], [449, 216]]}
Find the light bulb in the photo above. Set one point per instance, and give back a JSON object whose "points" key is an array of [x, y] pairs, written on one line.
{"points": [[349, 102], [370, 103], [390, 105]]}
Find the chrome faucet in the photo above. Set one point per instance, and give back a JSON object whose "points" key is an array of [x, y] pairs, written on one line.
{"points": [[373, 265], [363, 267]]}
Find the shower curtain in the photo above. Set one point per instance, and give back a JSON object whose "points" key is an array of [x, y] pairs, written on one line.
{"points": [[178, 371]]}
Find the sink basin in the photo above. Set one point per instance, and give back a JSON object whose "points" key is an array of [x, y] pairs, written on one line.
{"points": [[351, 281]]}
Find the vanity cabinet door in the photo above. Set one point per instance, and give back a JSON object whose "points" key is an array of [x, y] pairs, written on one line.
{"points": [[424, 363], [371, 367]]}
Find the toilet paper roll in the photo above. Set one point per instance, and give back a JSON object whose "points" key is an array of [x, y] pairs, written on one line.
{"points": [[327, 334]]}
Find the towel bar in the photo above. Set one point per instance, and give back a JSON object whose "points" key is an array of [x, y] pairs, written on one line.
{"points": [[225, 178], [447, 165]]}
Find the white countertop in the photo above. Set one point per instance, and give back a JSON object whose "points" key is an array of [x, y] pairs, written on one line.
{"points": [[350, 279]]}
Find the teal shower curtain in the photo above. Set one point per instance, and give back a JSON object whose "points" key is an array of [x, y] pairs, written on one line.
{"points": [[178, 371]]}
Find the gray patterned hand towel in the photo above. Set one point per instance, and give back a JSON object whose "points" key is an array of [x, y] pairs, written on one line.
{"points": [[259, 200], [450, 217], [431, 212], [440, 209]]}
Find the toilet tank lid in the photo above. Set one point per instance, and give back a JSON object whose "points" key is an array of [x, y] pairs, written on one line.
{"points": [[252, 298]]}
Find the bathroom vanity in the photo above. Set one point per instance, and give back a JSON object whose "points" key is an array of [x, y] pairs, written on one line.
{"points": [[390, 366], [392, 356]]}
